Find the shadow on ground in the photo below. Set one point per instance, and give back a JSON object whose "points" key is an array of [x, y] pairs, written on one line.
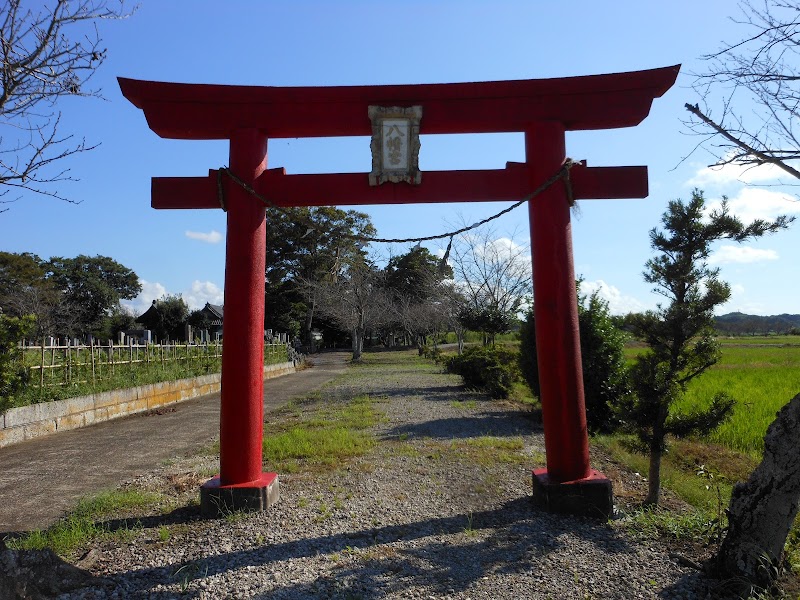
{"points": [[499, 424], [179, 516], [521, 538], [443, 393]]}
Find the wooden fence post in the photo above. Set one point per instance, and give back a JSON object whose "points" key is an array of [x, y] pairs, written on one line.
{"points": [[41, 371], [91, 350], [68, 360]]}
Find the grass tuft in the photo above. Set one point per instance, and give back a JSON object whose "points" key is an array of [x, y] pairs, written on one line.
{"points": [[693, 525], [324, 438], [84, 524]]}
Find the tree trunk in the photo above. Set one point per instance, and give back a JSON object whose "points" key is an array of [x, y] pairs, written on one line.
{"points": [[654, 475], [358, 342], [763, 509], [309, 321]]}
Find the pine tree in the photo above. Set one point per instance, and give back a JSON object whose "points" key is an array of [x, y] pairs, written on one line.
{"points": [[680, 335]]}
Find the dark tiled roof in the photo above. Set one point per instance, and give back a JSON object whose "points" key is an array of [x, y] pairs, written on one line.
{"points": [[216, 309]]}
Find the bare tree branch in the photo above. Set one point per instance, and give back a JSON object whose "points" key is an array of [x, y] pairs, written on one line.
{"points": [[777, 157], [47, 53], [754, 84]]}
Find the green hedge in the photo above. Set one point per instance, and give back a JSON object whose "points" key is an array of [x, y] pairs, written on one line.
{"points": [[491, 369]]}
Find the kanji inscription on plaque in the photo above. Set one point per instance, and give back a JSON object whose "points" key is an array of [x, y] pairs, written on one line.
{"points": [[395, 144]]}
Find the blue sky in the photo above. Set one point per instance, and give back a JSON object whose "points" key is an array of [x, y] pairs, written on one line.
{"points": [[376, 42]]}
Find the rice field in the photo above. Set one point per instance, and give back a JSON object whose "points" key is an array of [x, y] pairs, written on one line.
{"points": [[762, 374]]}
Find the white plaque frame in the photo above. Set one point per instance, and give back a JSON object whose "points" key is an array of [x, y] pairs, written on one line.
{"points": [[409, 171]]}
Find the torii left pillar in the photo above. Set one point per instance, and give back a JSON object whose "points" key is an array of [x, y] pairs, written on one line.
{"points": [[242, 484]]}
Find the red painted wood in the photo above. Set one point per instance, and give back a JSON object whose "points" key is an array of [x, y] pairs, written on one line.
{"points": [[201, 111], [543, 109], [263, 480], [353, 189], [241, 416], [556, 309], [184, 192]]}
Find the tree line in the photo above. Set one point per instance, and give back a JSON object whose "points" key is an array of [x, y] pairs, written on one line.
{"points": [[321, 280], [67, 296]]}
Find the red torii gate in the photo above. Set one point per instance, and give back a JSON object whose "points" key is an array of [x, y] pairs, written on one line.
{"points": [[542, 109]]}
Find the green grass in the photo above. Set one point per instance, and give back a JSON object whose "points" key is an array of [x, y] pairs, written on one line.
{"points": [[679, 473], [521, 393], [326, 437], [187, 363], [762, 379], [759, 339], [84, 524], [485, 450], [465, 404], [689, 526], [761, 373]]}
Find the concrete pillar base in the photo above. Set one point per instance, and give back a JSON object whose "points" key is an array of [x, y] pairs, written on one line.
{"points": [[589, 497], [218, 500]]}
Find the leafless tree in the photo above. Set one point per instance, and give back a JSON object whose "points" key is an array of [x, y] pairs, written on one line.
{"points": [[493, 273], [48, 52], [751, 90], [355, 300], [419, 319], [452, 302]]}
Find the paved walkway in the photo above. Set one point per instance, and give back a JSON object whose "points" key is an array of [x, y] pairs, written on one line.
{"points": [[43, 478]]}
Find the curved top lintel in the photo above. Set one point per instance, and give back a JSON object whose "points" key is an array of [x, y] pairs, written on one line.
{"points": [[208, 111]]}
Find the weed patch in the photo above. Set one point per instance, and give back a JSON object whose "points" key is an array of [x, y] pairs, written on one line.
{"points": [[485, 450], [324, 438], [687, 476], [693, 525], [84, 524]]}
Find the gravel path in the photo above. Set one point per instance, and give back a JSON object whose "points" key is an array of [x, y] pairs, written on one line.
{"points": [[440, 508]]}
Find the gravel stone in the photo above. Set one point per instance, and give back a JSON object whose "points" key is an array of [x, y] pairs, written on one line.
{"points": [[425, 514]]}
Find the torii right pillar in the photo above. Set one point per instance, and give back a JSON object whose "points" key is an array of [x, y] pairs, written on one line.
{"points": [[568, 484]]}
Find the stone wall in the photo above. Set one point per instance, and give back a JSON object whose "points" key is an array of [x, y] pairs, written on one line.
{"points": [[27, 422]]}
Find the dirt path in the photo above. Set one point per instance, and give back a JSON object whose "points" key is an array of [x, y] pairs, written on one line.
{"points": [[42, 479]]}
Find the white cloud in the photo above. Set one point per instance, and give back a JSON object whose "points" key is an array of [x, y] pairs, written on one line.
{"points": [[738, 173], [754, 203], [618, 304], [202, 292], [212, 237], [150, 291], [503, 250], [741, 302], [741, 255], [439, 253]]}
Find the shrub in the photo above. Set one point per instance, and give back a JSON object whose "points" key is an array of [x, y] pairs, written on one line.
{"points": [[434, 354], [493, 370], [13, 375], [602, 358]]}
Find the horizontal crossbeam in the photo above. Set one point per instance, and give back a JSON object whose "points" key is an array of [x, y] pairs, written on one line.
{"points": [[353, 189]]}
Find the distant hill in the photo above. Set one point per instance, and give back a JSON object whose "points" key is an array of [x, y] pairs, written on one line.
{"points": [[737, 323]]}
